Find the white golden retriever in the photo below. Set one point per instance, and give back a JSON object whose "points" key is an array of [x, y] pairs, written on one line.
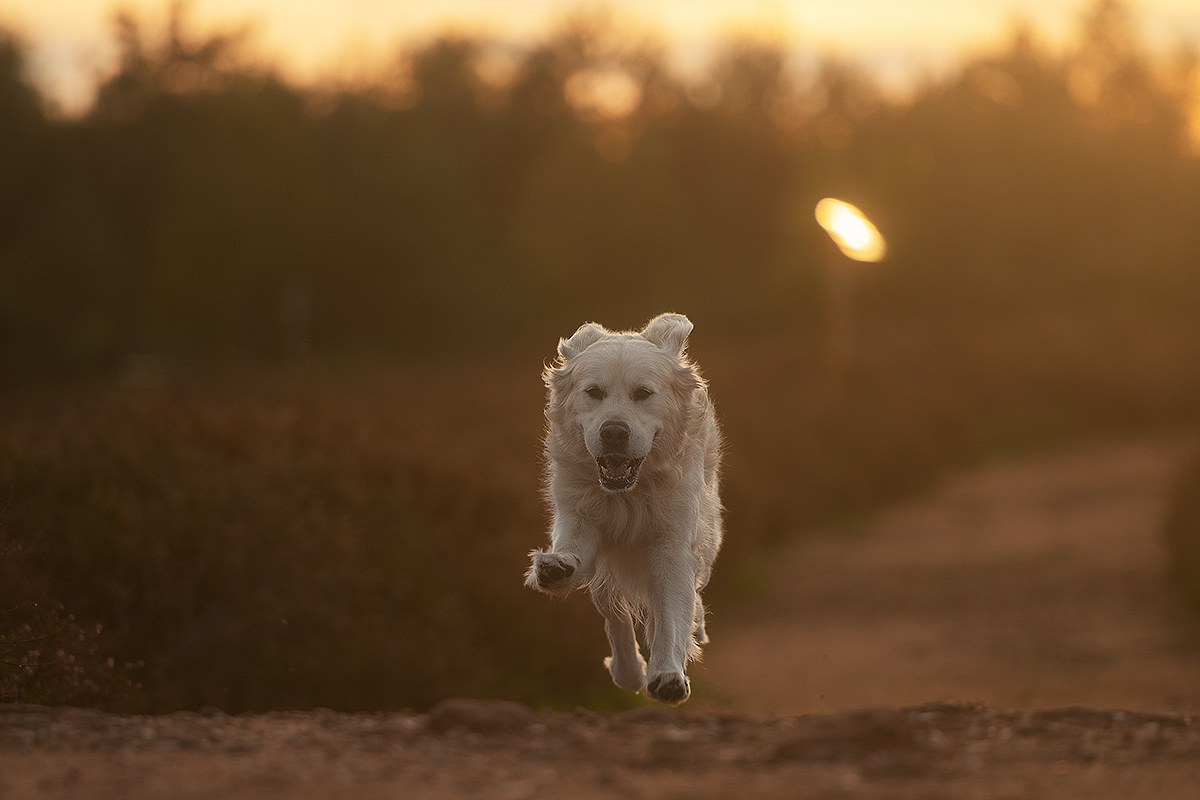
{"points": [[632, 453]]}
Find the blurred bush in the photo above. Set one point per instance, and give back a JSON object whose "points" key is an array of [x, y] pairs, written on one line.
{"points": [[1182, 533], [261, 549]]}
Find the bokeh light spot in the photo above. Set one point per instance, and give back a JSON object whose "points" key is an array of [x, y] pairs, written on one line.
{"points": [[849, 228]]}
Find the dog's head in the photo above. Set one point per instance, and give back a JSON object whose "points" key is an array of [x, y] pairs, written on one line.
{"points": [[619, 393]]}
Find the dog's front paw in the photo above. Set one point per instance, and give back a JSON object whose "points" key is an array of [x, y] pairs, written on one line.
{"points": [[671, 688], [550, 572]]}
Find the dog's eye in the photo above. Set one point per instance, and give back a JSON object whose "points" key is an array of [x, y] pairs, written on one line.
{"points": [[641, 393], [594, 392]]}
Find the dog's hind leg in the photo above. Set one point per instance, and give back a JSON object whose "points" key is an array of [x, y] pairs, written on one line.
{"points": [[626, 665]]}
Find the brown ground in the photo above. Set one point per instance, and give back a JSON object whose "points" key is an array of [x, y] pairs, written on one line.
{"points": [[1029, 584]]}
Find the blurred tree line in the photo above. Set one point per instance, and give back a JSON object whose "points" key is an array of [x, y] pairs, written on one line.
{"points": [[203, 207]]}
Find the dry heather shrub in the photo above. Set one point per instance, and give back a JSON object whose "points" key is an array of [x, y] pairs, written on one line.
{"points": [[1181, 531], [275, 545], [354, 535], [46, 656]]}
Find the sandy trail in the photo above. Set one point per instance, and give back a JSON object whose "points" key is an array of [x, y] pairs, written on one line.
{"points": [[1032, 582]]}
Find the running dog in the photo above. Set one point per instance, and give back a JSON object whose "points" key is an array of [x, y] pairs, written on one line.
{"points": [[632, 455]]}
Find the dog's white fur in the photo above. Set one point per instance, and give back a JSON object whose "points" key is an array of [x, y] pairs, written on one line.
{"points": [[646, 550]]}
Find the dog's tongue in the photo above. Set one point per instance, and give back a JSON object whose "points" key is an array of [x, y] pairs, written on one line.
{"points": [[615, 467]]}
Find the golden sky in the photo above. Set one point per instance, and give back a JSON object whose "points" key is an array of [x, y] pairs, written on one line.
{"points": [[70, 40]]}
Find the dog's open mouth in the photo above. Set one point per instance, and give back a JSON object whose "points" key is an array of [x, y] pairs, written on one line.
{"points": [[618, 472]]}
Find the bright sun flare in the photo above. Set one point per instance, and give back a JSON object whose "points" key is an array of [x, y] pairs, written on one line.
{"points": [[851, 230]]}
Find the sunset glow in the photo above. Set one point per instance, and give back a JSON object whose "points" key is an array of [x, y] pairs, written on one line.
{"points": [[603, 93], [71, 40]]}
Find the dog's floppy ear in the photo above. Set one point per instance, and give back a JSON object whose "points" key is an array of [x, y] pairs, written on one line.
{"points": [[669, 331], [587, 335]]}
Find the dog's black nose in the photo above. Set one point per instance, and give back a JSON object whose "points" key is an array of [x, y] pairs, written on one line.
{"points": [[614, 435]]}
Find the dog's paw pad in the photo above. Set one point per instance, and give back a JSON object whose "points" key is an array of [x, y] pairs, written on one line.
{"points": [[551, 571], [671, 688]]}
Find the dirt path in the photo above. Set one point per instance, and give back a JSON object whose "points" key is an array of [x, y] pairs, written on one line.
{"points": [[1025, 585], [1030, 583], [503, 751]]}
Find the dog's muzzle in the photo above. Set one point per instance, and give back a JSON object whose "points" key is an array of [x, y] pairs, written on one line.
{"points": [[618, 472]]}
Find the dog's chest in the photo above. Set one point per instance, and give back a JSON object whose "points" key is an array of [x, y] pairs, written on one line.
{"points": [[621, 519]]}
